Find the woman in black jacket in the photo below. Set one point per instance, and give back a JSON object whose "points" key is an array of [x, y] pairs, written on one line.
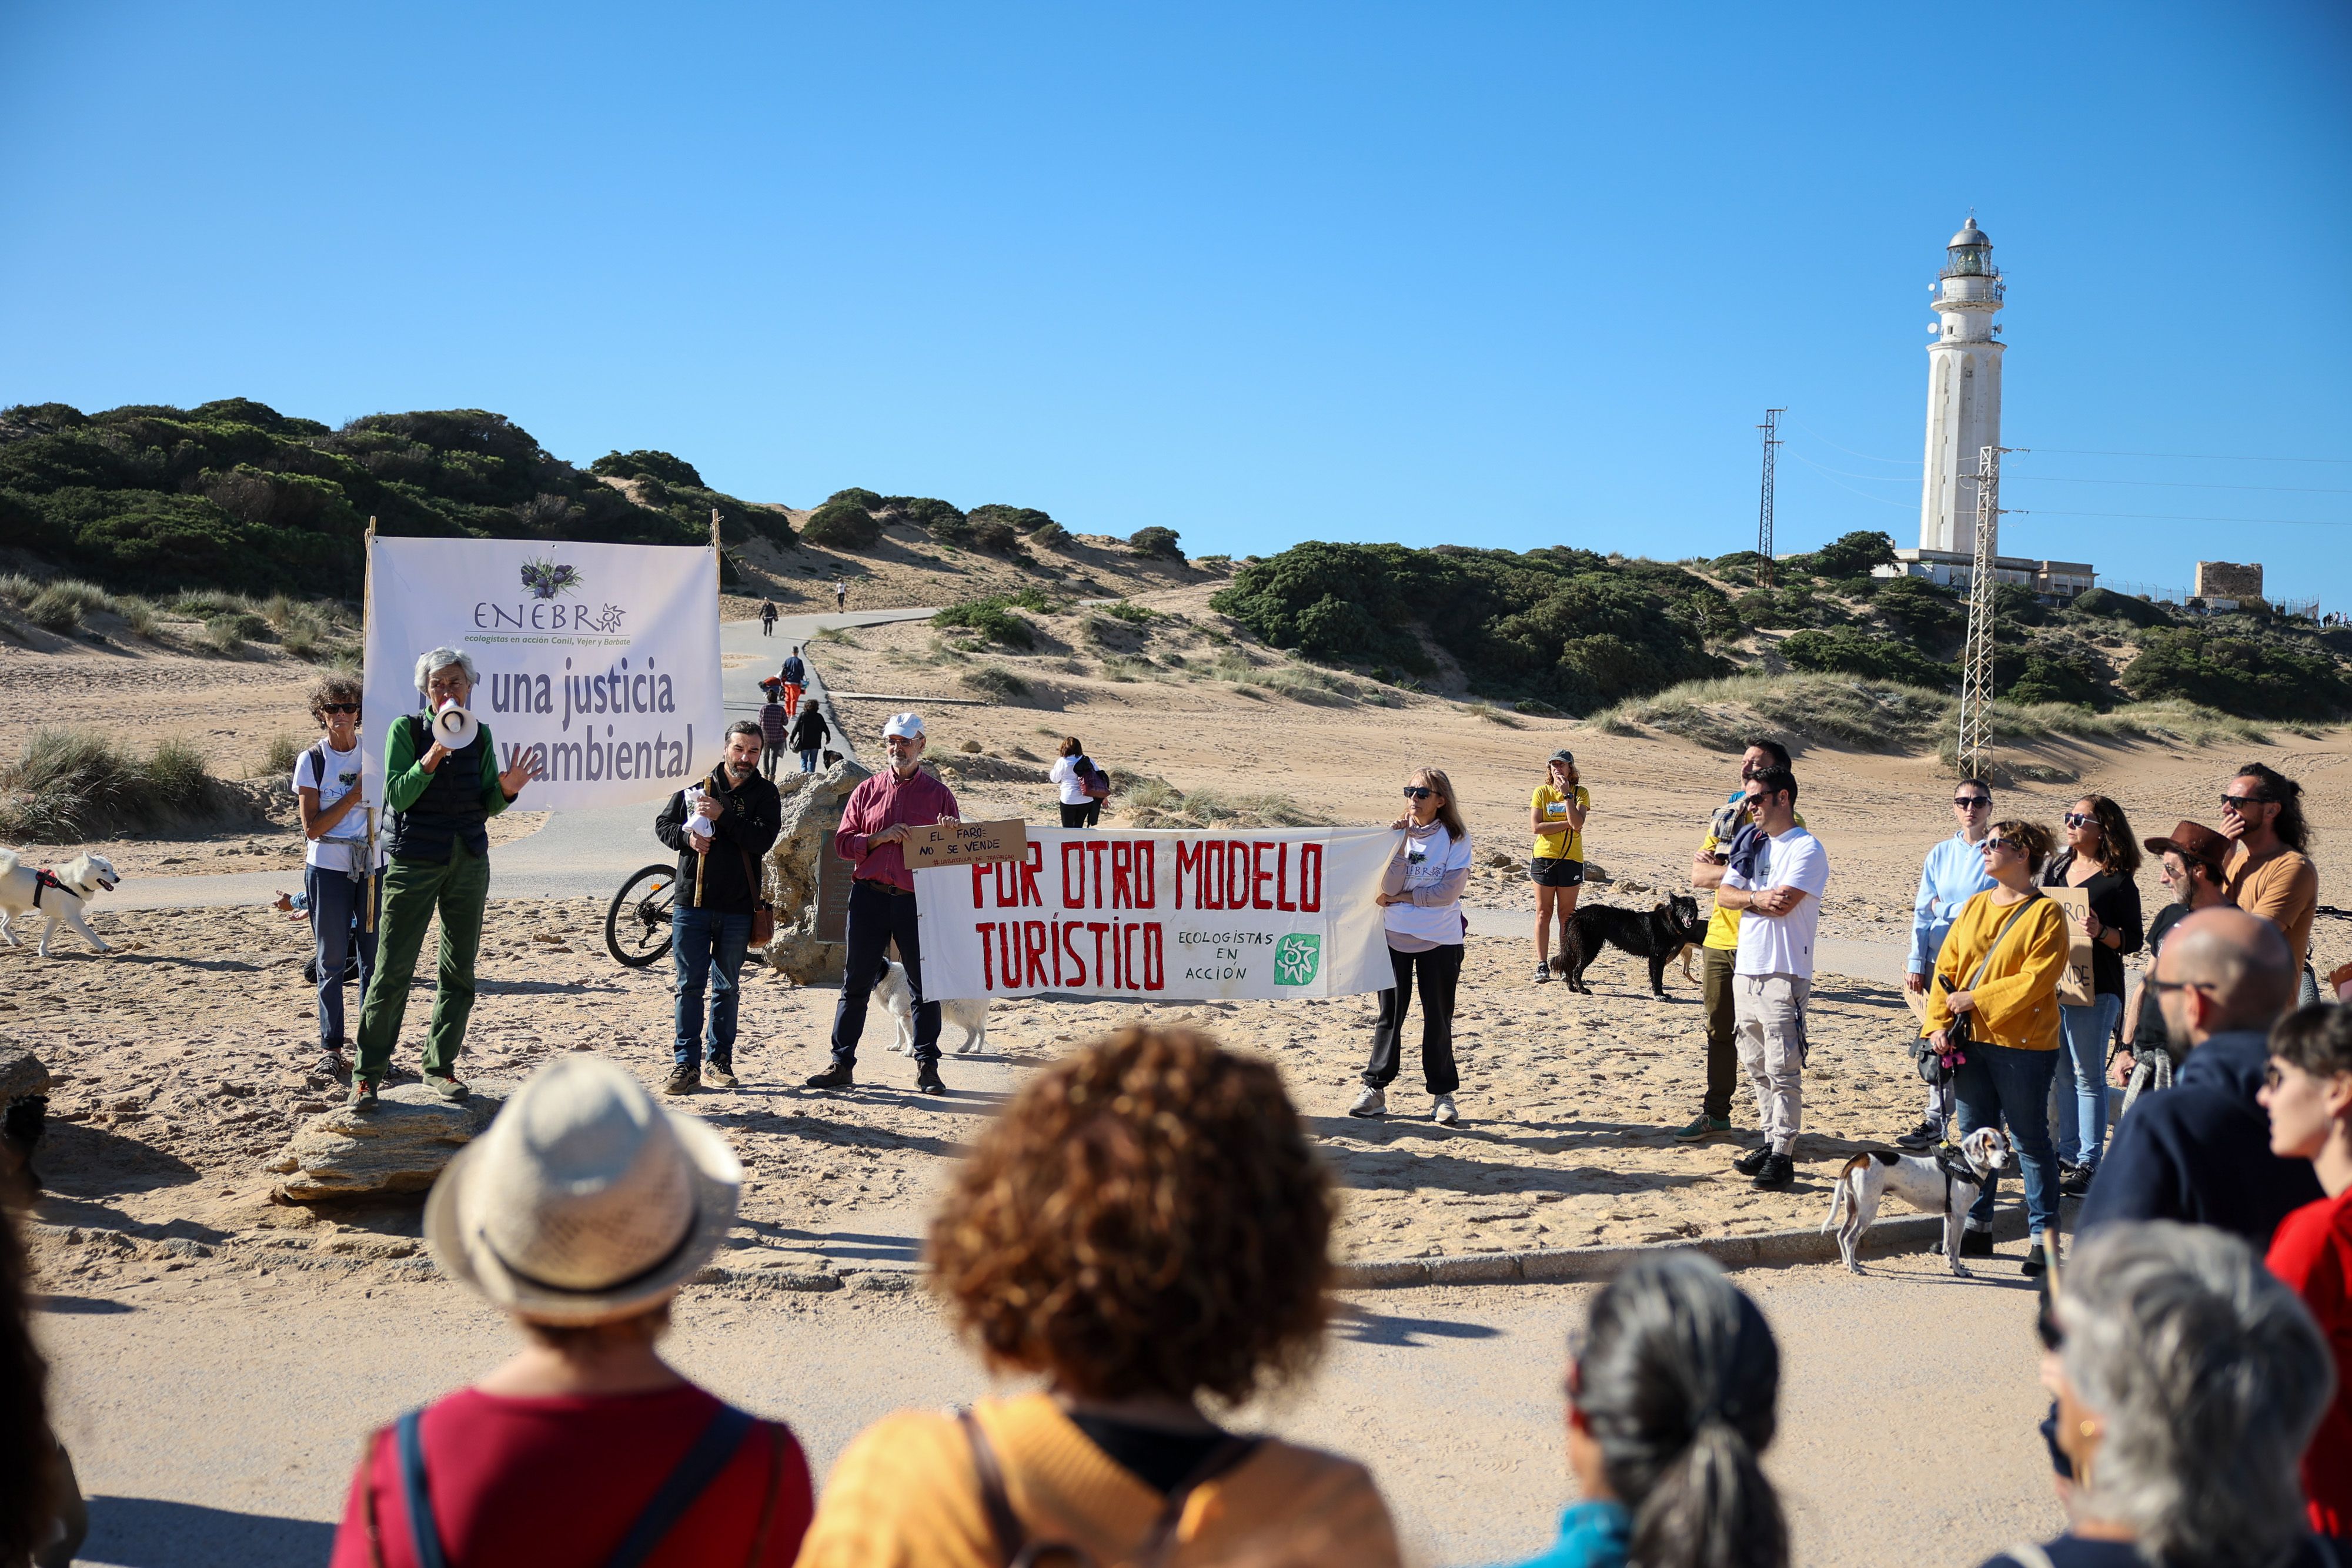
{"points": [[2101, 857], [809, 735]]}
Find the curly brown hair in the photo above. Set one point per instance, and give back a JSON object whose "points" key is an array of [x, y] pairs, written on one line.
{"points": [[332, 689], [1145, 1217]]}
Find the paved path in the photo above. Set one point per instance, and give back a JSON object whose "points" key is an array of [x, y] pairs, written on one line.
{"points": [[219, 1428]]}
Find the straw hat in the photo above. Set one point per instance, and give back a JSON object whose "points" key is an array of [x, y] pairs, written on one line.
{"points": [[585, 1202]]}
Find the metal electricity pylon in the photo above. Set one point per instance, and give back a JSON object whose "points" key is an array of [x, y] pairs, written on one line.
{"points": [[1975, 745], [1772, 429]]}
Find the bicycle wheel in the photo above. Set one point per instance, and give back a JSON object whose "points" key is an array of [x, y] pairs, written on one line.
{"points": [[636, 926]]}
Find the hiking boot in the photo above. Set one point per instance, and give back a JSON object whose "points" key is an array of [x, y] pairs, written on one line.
{"points": [[837, 1076], [1921, 1138], [2075, 1182], [445, 1084], [1975, 1243], [1753, 1161], [718, 1075], [364, 1094], [927, 1079], [1370, 1103], [1442, 1112], [1543, 972], [1777, 1172], [333, 1064], [684, 1078], [1702, 1127]]}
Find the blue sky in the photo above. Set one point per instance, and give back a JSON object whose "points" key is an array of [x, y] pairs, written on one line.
{"points": [[1506, 275]]}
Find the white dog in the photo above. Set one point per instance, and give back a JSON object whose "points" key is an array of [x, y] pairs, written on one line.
{"points": [[58, 897], [897, 995], [1944, 1183]]}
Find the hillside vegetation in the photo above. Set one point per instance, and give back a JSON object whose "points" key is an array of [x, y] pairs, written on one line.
{"points": [[1567, 629]]}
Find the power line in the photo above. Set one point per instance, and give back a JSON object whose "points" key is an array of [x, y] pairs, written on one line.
{"points": [[2174, 484], [1849, 451], [2196, 456], [2182, 517], [1850, 489], [1910, 479]]}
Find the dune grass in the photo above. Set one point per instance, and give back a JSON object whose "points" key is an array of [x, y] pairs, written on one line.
{"points": [[1156, 803], [70, 785]]}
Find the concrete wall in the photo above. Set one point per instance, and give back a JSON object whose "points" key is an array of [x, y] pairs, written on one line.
{"points": [[2228, 579]]}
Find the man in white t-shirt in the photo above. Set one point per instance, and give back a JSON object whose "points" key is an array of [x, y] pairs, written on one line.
{"points": [[1774, 876], [335, 870]]}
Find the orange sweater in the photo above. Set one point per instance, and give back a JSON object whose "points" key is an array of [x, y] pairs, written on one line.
{"points": [[905, 1493], [2017, 1000]]}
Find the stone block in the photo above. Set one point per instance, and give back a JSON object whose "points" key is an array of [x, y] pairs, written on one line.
{"points": [[399, 1147]]}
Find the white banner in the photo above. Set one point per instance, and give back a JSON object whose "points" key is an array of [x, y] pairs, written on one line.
{"points": [[1163, 916], [600, 660]]}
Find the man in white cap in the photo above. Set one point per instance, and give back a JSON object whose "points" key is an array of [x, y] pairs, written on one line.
{"points": [[579, 1212], [874, 824]]}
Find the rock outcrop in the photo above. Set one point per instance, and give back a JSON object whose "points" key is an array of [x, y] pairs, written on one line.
{"points": [[812, 809], [21, 1073], [400, 1147]]}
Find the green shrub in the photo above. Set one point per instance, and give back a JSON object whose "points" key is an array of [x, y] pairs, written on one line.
{"points": [[69, 786], [840, 525], [2109, 605], [1157, 543], [1020, 519], [996, 535], [659, 466], [1051, 535], [1848, 556], [2253, 678], [1919, 609], [989, 618], [863, 500], [1851, 653], [1127, 610], [54, 611], [995, 680], [227, 632]]}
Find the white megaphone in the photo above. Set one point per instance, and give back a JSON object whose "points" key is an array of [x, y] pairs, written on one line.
{"points": [[455, 727]]}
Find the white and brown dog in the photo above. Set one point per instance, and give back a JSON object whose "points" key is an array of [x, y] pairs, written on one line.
{"points": [[58, 897], [897, 998], [1943, 1182]]}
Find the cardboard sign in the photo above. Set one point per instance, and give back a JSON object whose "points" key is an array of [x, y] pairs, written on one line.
{"points": [[967, 843], [2074, 986]]}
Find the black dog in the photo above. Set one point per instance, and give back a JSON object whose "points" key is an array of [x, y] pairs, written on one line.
{"points": [[1657, 935]]}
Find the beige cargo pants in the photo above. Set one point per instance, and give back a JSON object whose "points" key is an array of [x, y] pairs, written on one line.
{"points": [[1768, 1022]]}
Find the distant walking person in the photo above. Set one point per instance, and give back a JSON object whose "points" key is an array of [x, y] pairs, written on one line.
{"points": [[775, 725], [1721, 947], [1076, 773], [1421, 900], [344, 887], [1774, 875], [2100, 858], [1556, 866], [767, 617], [840, 594], [794, 675], [721, 830], [2272, 874], [809, 732], [874, 823], [1953, 873]]}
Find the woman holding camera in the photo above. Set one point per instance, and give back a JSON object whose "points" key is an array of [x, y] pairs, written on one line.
{"points": [[1993, 1016]]}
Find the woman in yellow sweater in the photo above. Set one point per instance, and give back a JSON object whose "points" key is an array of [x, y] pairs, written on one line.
{"points": [[1146, 1226], [2010, 1002]]}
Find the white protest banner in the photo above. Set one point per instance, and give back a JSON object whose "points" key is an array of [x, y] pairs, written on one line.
{"points": [[1163, 916], [602, 661]]}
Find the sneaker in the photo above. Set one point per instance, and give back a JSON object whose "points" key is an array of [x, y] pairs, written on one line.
{"points": [[684, 1078], [332, 1063], [1543, 972], [445, 1084], [1975, 1243], [2037, 1260], [1702, 1127], [718, 1076], [927, 1079], [2075, 1182], [837, 1076], [1370, 1103], [1442, 1112], [1753, 1161], [1921, 1138], [364, 1094], [1779, 1171]]}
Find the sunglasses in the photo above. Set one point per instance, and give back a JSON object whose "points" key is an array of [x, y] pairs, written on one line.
{"points": [[2080, 820], [2237, 804], [1418, 791], [2002, 842], [339, 707], [1972, 802]]}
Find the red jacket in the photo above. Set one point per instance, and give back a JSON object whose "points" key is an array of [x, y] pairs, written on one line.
{"points": [[885, 800], [2312, 1256]]}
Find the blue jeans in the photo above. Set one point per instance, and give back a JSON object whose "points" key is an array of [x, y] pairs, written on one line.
{"points": [[335, 925], [2001, 1083], [808, 761], [2078, 1092], [706, 949]]}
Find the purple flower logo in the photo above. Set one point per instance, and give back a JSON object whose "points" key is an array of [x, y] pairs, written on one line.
{"points": [[545, 579]]}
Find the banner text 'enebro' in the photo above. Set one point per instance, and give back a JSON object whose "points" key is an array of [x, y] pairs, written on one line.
{"points": [[1163, 916]]}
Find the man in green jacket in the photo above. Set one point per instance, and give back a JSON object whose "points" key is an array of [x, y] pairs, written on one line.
{"points": [[439, 800]]}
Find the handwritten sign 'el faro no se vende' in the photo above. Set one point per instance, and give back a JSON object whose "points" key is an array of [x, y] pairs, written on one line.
{"points": [[966, 843]]}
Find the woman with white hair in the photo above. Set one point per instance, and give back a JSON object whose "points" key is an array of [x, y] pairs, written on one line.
{"points": [[439, 795], [2188, 1380], [579, 1214]]}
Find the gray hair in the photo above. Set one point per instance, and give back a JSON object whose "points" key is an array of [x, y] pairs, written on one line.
{"points": [[2209, 1377], [441, 659]]}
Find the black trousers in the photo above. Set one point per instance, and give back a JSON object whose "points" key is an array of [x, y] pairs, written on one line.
{"points": [[1440, 970], [877, 915], [1085, 814], [1722, 1037]]}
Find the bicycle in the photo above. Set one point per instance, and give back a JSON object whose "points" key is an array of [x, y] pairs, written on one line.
{"points": [[636, 926]]}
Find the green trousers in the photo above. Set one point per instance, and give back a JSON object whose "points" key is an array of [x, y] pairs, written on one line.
{"points": [[413, 891]]}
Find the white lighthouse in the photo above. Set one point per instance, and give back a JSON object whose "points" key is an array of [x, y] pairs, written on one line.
{"points": [[1963, 392]]}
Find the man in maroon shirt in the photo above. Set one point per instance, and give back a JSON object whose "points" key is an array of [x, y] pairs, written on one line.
{"points": [[882, 900]]}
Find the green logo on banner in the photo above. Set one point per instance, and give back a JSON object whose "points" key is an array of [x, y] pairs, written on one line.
{"points": [[1295, 959]]}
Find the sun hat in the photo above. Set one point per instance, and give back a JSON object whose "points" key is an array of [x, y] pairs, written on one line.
{"points": [[585, 1202], [909, 725], [2196, 841]]}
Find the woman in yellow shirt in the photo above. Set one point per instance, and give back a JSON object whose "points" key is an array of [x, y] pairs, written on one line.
{"points": [[2010, 1002], [1556, 866], [1146, 1226]]}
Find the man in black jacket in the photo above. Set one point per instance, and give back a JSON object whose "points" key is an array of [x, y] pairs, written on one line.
{"points": [[2200, 1152], [721, 830]]}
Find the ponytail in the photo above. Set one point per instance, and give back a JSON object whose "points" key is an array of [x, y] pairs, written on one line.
{"points": [[1711, 1507]]}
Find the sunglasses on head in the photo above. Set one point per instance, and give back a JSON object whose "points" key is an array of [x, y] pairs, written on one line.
{"points": [[339, 707], [2237, 804], [1418, 791]]}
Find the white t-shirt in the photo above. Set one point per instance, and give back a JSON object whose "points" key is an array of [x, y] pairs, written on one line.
{"points": [[1782, 944], [1065, 773], [345, 844], [1428, 862]]}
